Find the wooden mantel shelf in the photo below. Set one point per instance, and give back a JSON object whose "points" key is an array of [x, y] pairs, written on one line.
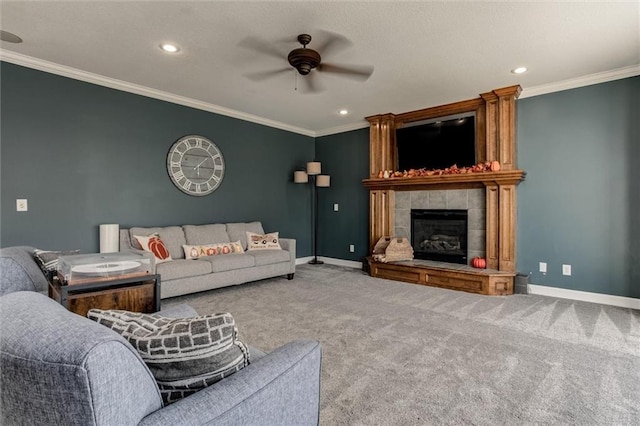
{"points": [[451, 181]]}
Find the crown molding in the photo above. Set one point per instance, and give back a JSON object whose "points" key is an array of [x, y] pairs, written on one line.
{"points": [[586, 80], [344, 128], [76, 74]]}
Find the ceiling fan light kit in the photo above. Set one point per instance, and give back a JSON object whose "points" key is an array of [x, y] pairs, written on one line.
{"points": [[304, 60]]}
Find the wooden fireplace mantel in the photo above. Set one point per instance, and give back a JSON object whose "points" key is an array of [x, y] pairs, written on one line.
{"points": [[453, 181], [495, 141]]}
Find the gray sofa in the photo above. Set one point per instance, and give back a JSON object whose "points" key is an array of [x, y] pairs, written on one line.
{"points": [[19, 271], [181, 276], [61, 368]]}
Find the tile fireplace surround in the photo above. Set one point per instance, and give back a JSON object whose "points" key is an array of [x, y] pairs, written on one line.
{"points": [[472, 200]]}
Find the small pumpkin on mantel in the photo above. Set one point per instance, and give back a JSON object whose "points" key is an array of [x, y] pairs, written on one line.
{"points": [[479, 262], [495, 166]]}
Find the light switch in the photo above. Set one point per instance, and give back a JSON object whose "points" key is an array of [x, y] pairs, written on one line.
{"points": [[21, 205], [543, 267], [335, 207], [566, 270]]}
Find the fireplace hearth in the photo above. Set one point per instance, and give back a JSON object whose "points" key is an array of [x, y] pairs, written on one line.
{"points": [[439, 235]]}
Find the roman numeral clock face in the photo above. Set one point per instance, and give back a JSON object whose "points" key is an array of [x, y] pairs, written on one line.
{"points": [[195, 165]]}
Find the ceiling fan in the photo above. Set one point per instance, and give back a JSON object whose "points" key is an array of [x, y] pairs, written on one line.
{"points": [[307, 61]]}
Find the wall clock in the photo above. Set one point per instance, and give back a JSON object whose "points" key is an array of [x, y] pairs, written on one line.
{"points": [[195, 165]]}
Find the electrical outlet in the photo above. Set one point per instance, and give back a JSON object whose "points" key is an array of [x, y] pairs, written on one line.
{"points": [[352, 248], [566, 270], [543, 267], [335, 207], [21, 205]]}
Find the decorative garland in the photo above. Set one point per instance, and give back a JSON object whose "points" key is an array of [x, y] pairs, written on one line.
{"points": [[487, 166]]}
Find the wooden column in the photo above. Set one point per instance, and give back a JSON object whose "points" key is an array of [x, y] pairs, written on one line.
{"points": [[492, 226], [382, 153], [491, 135], [381, 215], [506, 120], [507, 231], [382, 144]]}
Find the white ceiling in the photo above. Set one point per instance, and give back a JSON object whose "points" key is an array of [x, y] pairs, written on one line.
{"points": [[425, 53]]}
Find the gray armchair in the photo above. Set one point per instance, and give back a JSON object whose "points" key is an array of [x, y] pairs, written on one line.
{"points": [[60, 368]]}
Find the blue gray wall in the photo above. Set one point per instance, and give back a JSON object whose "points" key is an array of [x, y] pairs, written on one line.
{"points": [[344, 156], [580, 202], [83, 155]]}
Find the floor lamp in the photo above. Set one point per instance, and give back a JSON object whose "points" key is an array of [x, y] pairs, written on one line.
{"points": [[317, 181]]}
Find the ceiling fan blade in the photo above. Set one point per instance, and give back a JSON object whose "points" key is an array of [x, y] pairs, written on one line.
{"points": [[358, 72], [333, 43], [261, 46], [312, 84], [262, 75]]}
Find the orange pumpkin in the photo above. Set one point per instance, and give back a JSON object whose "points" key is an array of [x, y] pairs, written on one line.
{"points": [[495, 166], [479, 262]]}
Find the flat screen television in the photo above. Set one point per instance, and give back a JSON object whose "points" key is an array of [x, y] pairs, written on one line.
{"points": [[437, 144]]}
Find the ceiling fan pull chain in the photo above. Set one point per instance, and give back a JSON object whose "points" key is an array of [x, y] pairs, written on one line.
{"points": [[295, 85]]}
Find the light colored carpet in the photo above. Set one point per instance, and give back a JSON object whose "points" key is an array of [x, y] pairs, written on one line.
{"points": [[404, 354]]}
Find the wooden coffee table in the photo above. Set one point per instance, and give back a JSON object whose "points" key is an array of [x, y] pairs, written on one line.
{"points": [[130, 292]]}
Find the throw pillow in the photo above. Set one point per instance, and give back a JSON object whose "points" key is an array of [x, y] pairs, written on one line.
{"points": [[184, 355], [263, 241], [194, 252], [154, 244], [48, 260]]}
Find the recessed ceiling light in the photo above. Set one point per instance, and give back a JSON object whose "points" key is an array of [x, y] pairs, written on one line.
{"points": [[169, 48], [519, 70], [343, 112]]}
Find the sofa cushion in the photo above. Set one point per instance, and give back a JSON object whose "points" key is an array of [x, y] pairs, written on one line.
{"points": [[184, 355], [171, 236], [268, 257], [206, 234], [154, 244], [263, 241], [182, 268], [229, 262], [195, 252], [238, 231]]}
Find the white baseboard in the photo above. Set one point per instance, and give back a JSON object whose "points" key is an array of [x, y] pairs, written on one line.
{"points": [[342, 262], [584, 296], [331, 261]]}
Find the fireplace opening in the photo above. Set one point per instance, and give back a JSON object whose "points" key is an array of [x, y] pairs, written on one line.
{"points": [[439, 235]]}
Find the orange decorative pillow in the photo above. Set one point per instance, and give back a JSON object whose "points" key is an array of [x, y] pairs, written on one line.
{"points": [[194, 252], [154, 244]]}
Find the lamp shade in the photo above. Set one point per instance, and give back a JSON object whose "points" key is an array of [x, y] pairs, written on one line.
{"points": [[313, 168], [300, 176], [323, 181], [109, 238]]}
